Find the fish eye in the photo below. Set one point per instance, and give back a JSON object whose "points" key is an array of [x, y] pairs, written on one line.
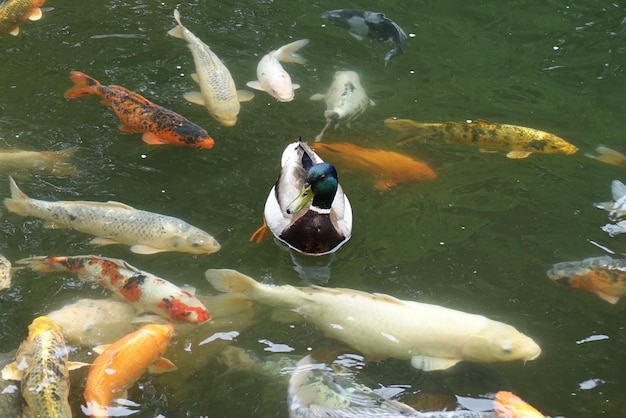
{"points": [[507, 349]]}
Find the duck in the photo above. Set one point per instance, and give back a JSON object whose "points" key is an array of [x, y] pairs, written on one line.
{"points": [[307, 209]]}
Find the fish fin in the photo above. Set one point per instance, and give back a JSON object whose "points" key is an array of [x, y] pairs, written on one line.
{"points": [[609, 298], [295, 86], [618, 190], [54, 225], [35, 14], [176, 32], [161, 365], [230, 281], [244, 95], [356, 36], [99, 349], [152, 139], [12, 372], [15, 31], [145, 249], [194, 97], [487, 151], [255, 85], [15, 203], [608, 156], [428, 363], [372, 103], [317, 96], [287, 53], [518, 154], [195, 77], [84, 85], [73, 365], [103, 241]]}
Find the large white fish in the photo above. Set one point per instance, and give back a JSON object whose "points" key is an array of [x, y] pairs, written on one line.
{"points": [[116, 223], [217, 87], [346, 100], [272, 77], [381, 326]]}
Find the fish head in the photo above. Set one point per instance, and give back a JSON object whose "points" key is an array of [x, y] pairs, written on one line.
{"points": [[195, 241], [281, 88], [501, 342], [162, 333], [42, 324]]}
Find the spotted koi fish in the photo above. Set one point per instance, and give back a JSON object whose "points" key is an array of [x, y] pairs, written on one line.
{"points": [[158, 124], [145, 291], [516, 141], [15, 12]]}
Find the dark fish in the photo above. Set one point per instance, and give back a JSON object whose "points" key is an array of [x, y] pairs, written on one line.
{"points": [[362, 23]]}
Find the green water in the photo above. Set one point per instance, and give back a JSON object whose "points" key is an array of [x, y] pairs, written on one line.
{"points": [[479, 238]]}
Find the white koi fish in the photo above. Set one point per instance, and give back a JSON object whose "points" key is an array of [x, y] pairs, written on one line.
{"points": [[116, 223], [617, 208], [272, 77], [217, 87], [346, 100], [54, 163], [381, 326]]}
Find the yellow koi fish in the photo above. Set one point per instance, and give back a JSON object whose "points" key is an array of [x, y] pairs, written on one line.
{"points": [[516, 141], [55, 163], [41, 364], [15, 12]]}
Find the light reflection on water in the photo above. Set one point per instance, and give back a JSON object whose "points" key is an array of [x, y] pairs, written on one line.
{"points": [[555, 66]]}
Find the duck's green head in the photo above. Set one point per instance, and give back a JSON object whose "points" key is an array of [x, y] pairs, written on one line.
{"points": [[321, 185]]}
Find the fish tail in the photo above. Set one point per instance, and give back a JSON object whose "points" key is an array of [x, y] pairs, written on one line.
{"points": [[83, 85], [230, 281], [16, 203], [37, 264], [177, 31], [59, 161], [287, 53]]}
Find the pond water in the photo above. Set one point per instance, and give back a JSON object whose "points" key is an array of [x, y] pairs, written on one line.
{"points": [[478, 238]]}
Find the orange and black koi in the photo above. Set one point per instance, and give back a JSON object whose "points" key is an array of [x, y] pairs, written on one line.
{"points": [[158, 124]]}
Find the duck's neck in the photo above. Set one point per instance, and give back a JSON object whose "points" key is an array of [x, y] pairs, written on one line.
{"points": [[322, 202]]}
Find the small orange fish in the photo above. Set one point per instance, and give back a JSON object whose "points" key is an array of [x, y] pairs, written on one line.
{"points": [[389, 168], [121, 364], [15, 12], [608, 156], [508, 405], [158, 124]]}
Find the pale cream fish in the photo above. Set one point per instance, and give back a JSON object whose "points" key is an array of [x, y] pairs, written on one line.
{"points": [[272, 77], [54, 163], [217, 87], [616, 208], [115, 223], [5, 273], [380, 326], [346, 100]]}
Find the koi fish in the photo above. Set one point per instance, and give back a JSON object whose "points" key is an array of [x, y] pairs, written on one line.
{"points": [[346, 100], [5, 273], [382, 326], [145, 291], [122, 363], [508, 405], [42, 366], [362, 23], [217, 87], [15, 12], [158, 124], [604, 276], [517, 141], [115, 223], [272, 77], [54, 163], [389, 168], [616, 208], [608, 156]]}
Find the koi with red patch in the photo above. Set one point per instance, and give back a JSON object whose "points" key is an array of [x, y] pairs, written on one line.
{"points": [[145, 291], [158, 124]]}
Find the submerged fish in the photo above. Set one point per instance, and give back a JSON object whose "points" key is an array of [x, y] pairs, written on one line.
{"points": [[516, 141], [381, 326], [616, 208], [55, 163], [362, 23], [608, 156], [93, 322], [115, 223], [345, 100], [145, 291], [15, 12], [5, 273], [604, 276], [508, 405], [122, 363], [388, 167], [272, 77], [42, 366], [158, 124], [217, 87]]}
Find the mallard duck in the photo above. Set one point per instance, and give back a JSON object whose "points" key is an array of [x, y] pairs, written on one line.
{"points": [[307, 209]]}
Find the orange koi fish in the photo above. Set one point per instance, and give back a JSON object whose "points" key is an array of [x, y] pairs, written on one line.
{"points": [[389, 168], [145, 291], [15, 12], [604, 276], [608, 155], [508, 405], [122, 363], [158, 124]]}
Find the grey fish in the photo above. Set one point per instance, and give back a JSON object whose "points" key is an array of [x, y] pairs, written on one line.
{"points": [[363, 23]]}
